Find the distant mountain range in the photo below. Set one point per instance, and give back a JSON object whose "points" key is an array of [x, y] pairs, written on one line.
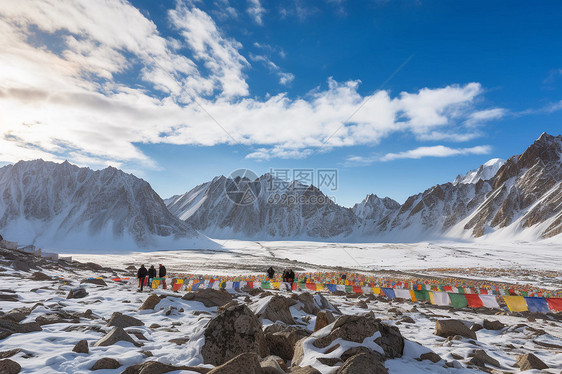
{"points": [[67, 207]]}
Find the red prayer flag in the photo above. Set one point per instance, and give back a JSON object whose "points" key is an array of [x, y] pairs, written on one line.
{"points": [[474, 300], [357, 289], [555, 304], [311, 286]]}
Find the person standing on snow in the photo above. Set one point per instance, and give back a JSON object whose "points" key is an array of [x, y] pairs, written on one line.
{"points": [[151, 275], [141, 274], [162, 274], [270, 272]]}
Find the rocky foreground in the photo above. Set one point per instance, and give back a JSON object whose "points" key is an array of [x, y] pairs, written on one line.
{"points": [[55, 319]]}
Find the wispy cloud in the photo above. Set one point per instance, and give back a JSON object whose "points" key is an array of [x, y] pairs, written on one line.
{"points": [[72, 102], [256, 11], [437, 151], [284, 77]]}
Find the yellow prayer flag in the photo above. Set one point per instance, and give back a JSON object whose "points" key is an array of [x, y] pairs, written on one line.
{"points": [[413, 296], [516, 303], [155, 283], [275, 285], [377, 290], [319, 287], [431, 297]]}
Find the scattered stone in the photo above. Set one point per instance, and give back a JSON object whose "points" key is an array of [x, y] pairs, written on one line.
{"points": [[271, 365], [452, 327], [476, 327], [10, 353], [179, 341], [81, 347], [106, 363], [277, 309], [8, 366], [329, 361], [9, 327], [233, 332], [8, 297], [247, 363], [209, 297], [407, 319], [224, 307], [39, 276], [154, 326], [155, 367], [49, 319], [493, 325], [150, 302], [19, 265], [530, 361], [306, 302], [77, 293], [114, 336], [481, 356], [17, 314], [456, 356], [431, 356], [305, 370], [363, 363], [99, 282], [281, 339], [323, 319], [121, 320], [362, 304], [352, 352]]}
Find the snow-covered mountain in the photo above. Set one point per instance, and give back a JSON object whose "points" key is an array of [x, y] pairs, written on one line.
{"points": [[63, 206], [266, 208], [374, 208], [484, 172]]}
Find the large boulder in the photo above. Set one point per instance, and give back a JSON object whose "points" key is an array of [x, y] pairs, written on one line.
{"points": [[272, 365], [358, 328], [209, 297], [150, 302], [480, 357], [8, 366], [9, 327], [323, 319], [304, 370], [121, 320], [276, 309], [363, 363], [247, 363], [235, 331], [106, 363], [96, 281], [114, 336], [452, 327], [17, 314], [81, 347], [493, 325], [155, 367], [305, 301], [530, 361], [281, 339], [77, 293]]}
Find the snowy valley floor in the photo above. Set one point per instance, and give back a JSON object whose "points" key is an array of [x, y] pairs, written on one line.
{"points": [[172, 332]]}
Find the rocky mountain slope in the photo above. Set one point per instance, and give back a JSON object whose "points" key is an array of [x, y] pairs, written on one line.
{"points": [[266, 207], [520, 197], [67, 207]]}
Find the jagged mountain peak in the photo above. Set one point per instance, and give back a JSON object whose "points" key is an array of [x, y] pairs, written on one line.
{"points": [[485, 172]]}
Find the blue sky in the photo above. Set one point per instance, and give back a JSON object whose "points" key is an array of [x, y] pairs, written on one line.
{"points": [[396, 95]]}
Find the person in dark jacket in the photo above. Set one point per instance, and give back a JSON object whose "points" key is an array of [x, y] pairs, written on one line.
{"points": [[141, 274], [162, 274], [270, 272], [151, 275]]}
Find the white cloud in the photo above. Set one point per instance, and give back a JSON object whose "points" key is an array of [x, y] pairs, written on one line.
{"points": [[70, 102], [437, 151], [284, 78], [256, 11]]}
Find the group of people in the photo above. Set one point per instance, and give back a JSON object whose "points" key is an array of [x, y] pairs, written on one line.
{"points": [[288, 276], [144, 273]]}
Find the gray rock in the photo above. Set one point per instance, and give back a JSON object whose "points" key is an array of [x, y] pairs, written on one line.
{"points": [[407, 319], [281, 339], [362, 304], [493, 325], [277, 309], [17, 314], [81, 347], [270, 365], [99, 282], [233, 332], [11, 327], [452, 327], [247, 363], [530, 361], [306, 302], [114, 336], [19, 265], [49, 319], [106, 363], [354, 351], [8, 366], [155, 367], [431, 356], [150, 302], [77, 293], [10, 353], [209, 297], [121, 320], [363, 363], [39, 276], [323, 319], [304, 370], [481, 356]]}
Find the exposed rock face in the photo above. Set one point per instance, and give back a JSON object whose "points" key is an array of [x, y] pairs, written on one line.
{"points": [[8, 366], [17, 314], [81, 347], [281, 210], [481, 357], [209, 297], [431, 356], [247, 363], [374, 208], [530, 361], [77, 293], [114, 336], [281, 339], [120, 320], [277, 309], [363, 363], [235, 331], [493, 325], [150, 302], [9, 327], [106, 363], [62, 198], [155, 367], [323, 319], [452, 327], [304, 370]]}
